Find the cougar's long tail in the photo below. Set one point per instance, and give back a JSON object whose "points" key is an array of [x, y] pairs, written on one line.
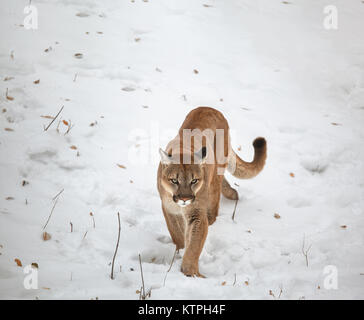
{"points": [[246, 170]]}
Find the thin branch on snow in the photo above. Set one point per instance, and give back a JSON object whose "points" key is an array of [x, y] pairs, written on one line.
{"points": [[50, 215], [234, 279], [84, 236], [280, 292], [170, 267], [142, 291], [45, 129], [305, 252], [57, 195], [116, 249], [93, 219], [236, 203], [55, 199]]}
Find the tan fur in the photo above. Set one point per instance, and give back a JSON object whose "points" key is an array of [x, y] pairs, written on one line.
{"points": [[188, 225]]}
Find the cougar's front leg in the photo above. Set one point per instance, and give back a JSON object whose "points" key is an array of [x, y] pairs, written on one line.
{"points": [[176, 228], [195, 236]]}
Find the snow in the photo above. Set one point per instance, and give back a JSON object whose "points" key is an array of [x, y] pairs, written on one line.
{"points": [[270, 67]]}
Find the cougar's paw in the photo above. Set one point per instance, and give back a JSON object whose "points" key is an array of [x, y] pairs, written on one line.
{"points": [[190, 270]]}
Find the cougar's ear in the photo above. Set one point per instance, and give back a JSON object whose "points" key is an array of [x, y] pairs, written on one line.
{"points": [[165, 158], [200, 156]]}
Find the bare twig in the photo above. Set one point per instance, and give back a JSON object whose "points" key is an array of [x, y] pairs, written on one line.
{"points": [[116, 249], [50, 213], [143, 296], [305, 252], [57, 195], [234, 279], [45, 129], [140, 293], [84, 236], [71, 226], [280, 292], [236, 203], [93, 219], [170, 266]]}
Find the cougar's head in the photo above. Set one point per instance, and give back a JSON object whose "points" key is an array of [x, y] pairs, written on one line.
{"points": [[182, 181]]}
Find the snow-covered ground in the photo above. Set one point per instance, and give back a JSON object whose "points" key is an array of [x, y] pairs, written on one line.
{"points": [[273, 70]]}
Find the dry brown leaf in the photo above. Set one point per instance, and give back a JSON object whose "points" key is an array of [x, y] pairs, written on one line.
{"points": [[138, 291], [291, 174], [36, 81], [73, 147], [239, 148], [35, 265], [121, 166], [137, 39], [9, 98], [195, 71], [65, 122], [277, 216], [18, 262], [246, 283], [8, 129], [46, 236], [223, 283], [4, 110], [46, 288], [78, 55], [9, 198], [47, 117], [343, 226]]}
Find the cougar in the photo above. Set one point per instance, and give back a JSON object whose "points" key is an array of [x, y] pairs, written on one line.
{"points": [[191, 179]]}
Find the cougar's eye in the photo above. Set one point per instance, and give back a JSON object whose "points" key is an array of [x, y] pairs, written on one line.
{"points": [[174, 181], [194, 181]]}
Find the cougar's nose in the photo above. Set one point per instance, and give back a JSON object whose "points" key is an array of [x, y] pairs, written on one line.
{"points": [[185, 198]]}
